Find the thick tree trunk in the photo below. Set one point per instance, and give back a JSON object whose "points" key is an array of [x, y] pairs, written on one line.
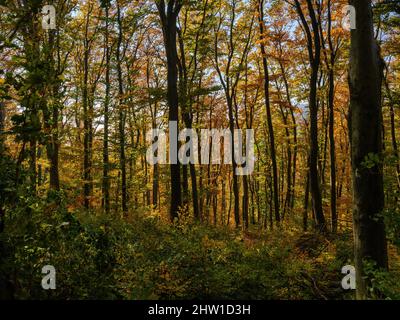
{"points": [[366, 144], [168, 21]]}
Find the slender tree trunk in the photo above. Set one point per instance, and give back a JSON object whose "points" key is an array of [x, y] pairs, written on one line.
{"points": [[394, 143], [185, 185], [332, 152], [223, 202], [106, 162], [2, 151], [314, 179], [215, 206], [245, 204], [314, 51], [294, 124], [53, 152], [51, 112], [230, 202], [331, 100], [234, 176], [195, 199], [287, 201], [122, 116], [305, 207], [53, 145], [86, 122], [393, 132], [268, 110]]}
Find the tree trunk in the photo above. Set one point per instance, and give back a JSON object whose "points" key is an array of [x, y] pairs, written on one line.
{"points": [[245, 203], [366, 144], [331, 100], [294, 123], [393, 132], [2, 150], [106, 162], [86, 122], [234, 176], [168, 22], [122, 116], [268, 109], [305, 207], [314, 52], [332, 152]]}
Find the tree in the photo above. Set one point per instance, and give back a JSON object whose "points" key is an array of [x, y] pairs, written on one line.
{"points": [[365, 123], [314, 53], [188, 74], [236, 43], [87, 116], [330, 61], [268, 110], [168, 15], [106, 162], [56, 56], [122, 114]]}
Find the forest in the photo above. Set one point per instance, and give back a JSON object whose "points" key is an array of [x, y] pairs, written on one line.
{"points": [[99, 98]]}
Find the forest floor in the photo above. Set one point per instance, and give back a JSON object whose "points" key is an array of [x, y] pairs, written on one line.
{"points": [[143, 257]]}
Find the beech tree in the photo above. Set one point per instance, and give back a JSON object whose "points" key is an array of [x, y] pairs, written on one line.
{"points": [[365, 123], [313, 36], [168, 15]]}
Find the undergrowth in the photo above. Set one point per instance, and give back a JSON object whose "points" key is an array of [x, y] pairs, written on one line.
{"points": [[107, 257]]}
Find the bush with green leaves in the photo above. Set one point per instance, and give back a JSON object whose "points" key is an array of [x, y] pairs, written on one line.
{"points": [[105, 257]]}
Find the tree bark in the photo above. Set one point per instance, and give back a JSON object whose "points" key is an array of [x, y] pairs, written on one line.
{"points": [[314, 52], [366, 142], [168, 18], [2, 150], [305, 207], [87, 123], [331, 98], [106, 161], [122, 116], [268, 110]]}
